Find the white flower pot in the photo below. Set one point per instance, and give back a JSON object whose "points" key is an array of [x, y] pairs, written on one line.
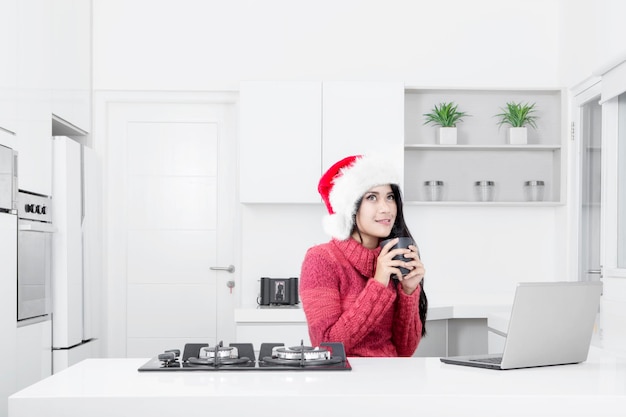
{"points": [[518, 136], [446, 135]]}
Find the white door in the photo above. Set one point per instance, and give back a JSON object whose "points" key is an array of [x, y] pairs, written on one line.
{"points": [[590, 201], [586, 188], [585, 184], [170, 217]]}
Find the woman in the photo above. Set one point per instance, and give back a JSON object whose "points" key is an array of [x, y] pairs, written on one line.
{"points": [[352, 290]]}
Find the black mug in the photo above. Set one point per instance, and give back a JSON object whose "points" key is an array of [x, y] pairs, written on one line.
{"points": [[403, 242]]}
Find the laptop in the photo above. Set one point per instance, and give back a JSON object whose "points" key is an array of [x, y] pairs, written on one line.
{"points": [[551, 323]]}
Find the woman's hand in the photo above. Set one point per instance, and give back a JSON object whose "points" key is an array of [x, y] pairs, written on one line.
{"points": [[416, 273], [386, 266]]}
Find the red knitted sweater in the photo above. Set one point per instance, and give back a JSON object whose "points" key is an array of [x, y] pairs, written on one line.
{"points": [[342, 303]]}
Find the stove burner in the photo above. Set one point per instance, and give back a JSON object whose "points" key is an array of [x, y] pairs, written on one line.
{"points": [[213, 362], [217, 356], [300, 363], [299, 352], [219, 352], [301, 356]]}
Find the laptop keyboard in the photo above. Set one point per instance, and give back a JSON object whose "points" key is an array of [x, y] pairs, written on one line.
{"points": [[497, 360]]}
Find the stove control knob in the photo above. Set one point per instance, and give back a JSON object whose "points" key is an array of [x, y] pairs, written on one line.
{"points": [[43, 209], [38, 209], [29, 208], [176, 352], [168, 356]]}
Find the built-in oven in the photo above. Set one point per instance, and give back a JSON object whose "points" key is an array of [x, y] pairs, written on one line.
{"points": [[34, 255]]}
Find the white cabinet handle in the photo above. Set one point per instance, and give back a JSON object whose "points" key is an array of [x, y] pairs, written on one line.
{"points": [[229, 268], [41, 227]]}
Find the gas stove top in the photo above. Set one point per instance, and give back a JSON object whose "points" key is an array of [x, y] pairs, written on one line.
{"points": [[241, 357]]}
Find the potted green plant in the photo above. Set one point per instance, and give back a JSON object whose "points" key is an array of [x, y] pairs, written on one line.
{"points": [[446, 116], [518, 116]]}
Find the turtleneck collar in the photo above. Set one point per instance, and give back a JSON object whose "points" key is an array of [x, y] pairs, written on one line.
{"points": [[360, 257]]}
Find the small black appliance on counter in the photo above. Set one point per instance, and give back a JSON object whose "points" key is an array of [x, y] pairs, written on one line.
{"points": [[279, 291]]}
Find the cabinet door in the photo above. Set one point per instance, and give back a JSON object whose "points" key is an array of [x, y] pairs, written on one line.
{"points": [[67, 249], [71, 62], [280, 142], [34, 129], [8, 305], [92, 242], [34, 343], [361, 118], [8, 69]]}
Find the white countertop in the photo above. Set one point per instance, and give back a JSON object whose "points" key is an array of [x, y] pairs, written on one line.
{"points": [[498, 322], [374, 387]]}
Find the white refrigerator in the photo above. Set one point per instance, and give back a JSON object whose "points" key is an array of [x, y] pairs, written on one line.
{"points": [[8, 306], [76, 253]]}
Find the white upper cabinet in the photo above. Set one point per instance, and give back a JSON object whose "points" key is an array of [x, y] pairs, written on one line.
{"points": [[71, 62], [361, 118], [34, 131], [52, 80], [280, 142], [8, 69], [290, 132]]}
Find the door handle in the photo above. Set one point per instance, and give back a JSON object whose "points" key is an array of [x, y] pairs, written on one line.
{"points": [[229, 268], [594, 271]]}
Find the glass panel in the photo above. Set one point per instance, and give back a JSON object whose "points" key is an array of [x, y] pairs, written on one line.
{"points": [[591, 125], [621, 183]]}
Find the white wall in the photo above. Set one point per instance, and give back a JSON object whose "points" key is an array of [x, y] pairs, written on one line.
{"points": [[200, 45], [466, 250], [486, 250], [591, 37], [276, 237], [213, 44]]}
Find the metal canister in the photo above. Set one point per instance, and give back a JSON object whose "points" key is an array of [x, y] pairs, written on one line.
{"points": [[484, 190]]}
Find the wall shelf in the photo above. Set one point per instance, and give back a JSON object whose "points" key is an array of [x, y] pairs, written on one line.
{"points": [[482, 151]]}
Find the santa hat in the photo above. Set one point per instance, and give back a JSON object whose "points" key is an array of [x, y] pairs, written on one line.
{"points": [[345, 183]]}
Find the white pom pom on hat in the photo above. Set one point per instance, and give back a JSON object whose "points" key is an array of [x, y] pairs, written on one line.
{"points": [[345, 183]]}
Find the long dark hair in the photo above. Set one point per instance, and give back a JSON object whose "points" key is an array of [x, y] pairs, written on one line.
{"points": [[400, 229]]}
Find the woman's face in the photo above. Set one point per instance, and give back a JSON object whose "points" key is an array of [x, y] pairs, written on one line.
{"points": [[376, 215]]}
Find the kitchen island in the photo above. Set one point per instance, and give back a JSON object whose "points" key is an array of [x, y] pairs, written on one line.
{"points": [[374, 387]]}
